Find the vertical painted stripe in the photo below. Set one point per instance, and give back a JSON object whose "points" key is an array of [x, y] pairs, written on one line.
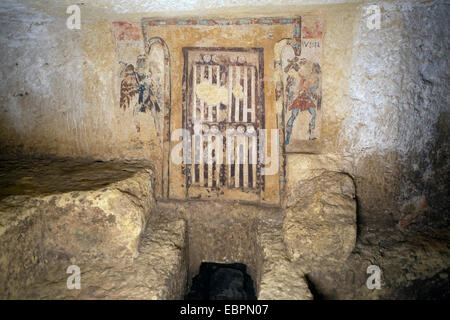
{"points": [[245, 138], [210, 82], [237, 162], [244, 112], [209, 163], [253, 95], [200, 151], [202, 76], [237, 100], [218, 86], [230, 91], [254, 160], [194, 94]]}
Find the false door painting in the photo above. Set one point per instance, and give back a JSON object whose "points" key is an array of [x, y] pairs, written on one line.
{"points": [[223, 113]]}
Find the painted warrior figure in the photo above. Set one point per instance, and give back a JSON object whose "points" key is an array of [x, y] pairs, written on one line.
{"points": [[128, 86], [139, 83], [303, 90]]}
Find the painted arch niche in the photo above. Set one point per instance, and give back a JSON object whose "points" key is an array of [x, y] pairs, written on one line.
{"points": [[145, 93], [299, 85], [142, 79], [158, 60], [297, 61]]}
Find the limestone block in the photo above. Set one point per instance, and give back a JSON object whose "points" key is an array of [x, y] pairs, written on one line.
{"points": [[104, 223], [300, 167], [283, 281], [159, 272], [100, 224], [321, 225], [280, 278]]}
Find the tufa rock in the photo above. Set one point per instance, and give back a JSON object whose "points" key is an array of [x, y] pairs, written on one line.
{"points": [[320, 226]]}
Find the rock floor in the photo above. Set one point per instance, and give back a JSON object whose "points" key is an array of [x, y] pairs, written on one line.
{"points": [[159, 271], [409, 267], [174, 237]]}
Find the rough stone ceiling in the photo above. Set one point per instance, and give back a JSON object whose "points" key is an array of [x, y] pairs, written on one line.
{"points": [[143, 6], [139, 6], [111, 9]]}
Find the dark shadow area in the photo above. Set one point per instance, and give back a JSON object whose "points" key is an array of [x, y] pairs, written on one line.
{"points": [[44, 176], [433, 288], [220, 281], [316, 294]]}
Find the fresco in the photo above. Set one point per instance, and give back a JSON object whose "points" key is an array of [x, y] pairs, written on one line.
{"points": [[224, 93], [141, 91], [126, 32], [141, 72], [302, 92], [299, 83], [214, 75]]}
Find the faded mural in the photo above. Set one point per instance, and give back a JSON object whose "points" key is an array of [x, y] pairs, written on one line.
{"points": [[298, 92], [142, 79], [224, 93], [139, 83], [144, 90], [223, 88]]}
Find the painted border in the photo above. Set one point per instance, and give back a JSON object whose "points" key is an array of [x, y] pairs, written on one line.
{"points": [[295, 41], [167, 108], [261, 97]]}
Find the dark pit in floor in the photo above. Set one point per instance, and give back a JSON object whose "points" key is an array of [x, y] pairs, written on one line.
{"points": [[220, 281]]}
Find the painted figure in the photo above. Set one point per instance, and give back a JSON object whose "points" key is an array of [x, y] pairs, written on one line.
{"points": [[303, 90], [128, 86], [139, 83]]}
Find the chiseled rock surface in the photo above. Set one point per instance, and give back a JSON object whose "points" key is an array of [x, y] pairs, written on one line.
{"points": [[280, 278], [228, 232], [320, 227], [97, 222], [159, 272], [412, 267]]}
